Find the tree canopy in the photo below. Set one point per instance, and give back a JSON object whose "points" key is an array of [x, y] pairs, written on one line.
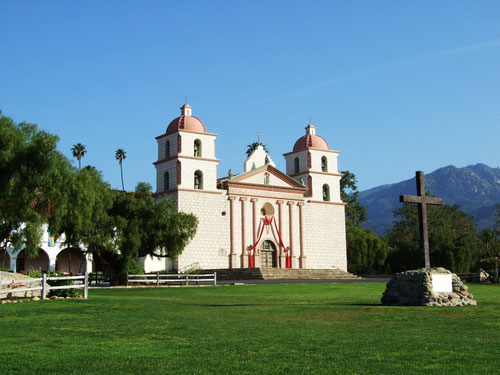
{"points": [[39, 186], [32, 172], [453, 239], [253, 146]]}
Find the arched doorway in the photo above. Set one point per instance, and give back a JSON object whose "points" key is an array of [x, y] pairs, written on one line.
{"points": [[268, 254], [71, 261], [40, 263]]}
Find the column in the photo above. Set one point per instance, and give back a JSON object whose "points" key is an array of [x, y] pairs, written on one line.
{"points": [[232, 254], [52, 264], [256, 256], [13, 263], [290, 227], [302, 257], [89, 259], [282, 258], [244, 253]]}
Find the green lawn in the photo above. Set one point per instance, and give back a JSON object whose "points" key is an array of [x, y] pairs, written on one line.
{"points": [[273, 329]]}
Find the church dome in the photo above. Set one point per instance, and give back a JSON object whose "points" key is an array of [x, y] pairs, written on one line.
{"points": [[186, 122], [310, 140]]}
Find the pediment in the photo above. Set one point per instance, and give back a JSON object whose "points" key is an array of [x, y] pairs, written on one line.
{"points": [[275, 178]]}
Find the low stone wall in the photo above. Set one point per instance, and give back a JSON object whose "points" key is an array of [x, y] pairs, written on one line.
{"points": [[6, 279], [413, 288]]}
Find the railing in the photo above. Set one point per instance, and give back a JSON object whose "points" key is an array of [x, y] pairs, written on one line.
{"points": [[177, 278], [45, 287]]}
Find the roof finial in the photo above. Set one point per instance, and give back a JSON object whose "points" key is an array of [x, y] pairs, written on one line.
{"points": [[259, 134], [185, 100], [310, 119]]}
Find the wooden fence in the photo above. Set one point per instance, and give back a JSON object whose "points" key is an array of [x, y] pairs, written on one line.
{"points": [[45, 287], [175, 279]]}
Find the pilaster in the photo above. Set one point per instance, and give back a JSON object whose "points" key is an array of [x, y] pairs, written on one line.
{"points": [[256, 252], [232, 254], [290, 227], [302, 257], [244, 253], [281, 254]]}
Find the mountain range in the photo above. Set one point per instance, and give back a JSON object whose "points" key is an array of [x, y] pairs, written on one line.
{"points": [[475, 188]]}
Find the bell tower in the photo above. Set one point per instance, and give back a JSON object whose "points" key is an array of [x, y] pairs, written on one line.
{"points": [[314, 165], [186, 156]]}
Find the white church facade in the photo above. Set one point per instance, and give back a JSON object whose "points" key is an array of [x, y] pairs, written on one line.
{"points": [[262, 217]]}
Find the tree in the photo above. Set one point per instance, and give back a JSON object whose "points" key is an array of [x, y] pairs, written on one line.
{"points": [[32, 174], [355, 212], [79, 152], [83, 214], [366, 252], [453, 239], [120, 155], [251, 148], [144, 226]]}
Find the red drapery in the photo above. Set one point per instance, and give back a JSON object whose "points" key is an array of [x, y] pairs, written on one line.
{"points": [[250, 249]]}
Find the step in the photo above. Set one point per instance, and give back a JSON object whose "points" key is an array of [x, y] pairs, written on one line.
{"points": [[279, 273]]}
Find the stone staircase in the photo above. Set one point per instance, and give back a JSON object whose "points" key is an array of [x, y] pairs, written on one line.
{"points": [[280, 274]]}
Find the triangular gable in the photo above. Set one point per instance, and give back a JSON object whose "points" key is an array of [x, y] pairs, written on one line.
{"points": [[276, 178]]}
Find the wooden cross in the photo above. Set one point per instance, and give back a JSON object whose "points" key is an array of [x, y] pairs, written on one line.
{"points": [[422, 202], [258, 136]]}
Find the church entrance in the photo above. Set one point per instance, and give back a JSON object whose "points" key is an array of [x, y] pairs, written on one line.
{"points": [[268, 254]]}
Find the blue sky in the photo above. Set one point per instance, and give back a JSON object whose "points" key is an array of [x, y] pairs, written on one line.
{"points": [[395, 86]]}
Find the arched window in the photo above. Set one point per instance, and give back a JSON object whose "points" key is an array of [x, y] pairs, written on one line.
{"points": [[166, 182], [167, 149], [309, 162], [324, 164], [326, 192], [197, 148], [296, 165], [198, 180], [309, 186], [179, 175]]}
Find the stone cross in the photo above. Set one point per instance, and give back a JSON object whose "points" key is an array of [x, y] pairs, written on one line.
{"points": [[258, 136], [422, 202]]}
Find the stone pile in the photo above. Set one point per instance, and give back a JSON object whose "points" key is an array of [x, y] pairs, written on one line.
{"points": [[412, 288]]}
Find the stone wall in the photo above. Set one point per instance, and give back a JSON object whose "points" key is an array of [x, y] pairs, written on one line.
{"points": [[415, 287], [6, 279]]}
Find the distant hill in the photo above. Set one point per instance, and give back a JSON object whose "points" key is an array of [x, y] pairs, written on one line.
{"points": [[475, 188]]}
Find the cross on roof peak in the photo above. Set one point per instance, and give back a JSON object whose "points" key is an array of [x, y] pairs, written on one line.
{"points": [[259, 134]]}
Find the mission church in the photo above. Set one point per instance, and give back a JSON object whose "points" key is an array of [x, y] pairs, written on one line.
{"points": [[259, 218]]}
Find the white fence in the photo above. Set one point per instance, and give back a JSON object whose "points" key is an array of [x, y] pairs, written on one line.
{"points": [[45, 287], [176, 278]]}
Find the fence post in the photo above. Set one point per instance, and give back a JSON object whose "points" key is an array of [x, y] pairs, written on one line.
{"points": [[44, 285], [157, 278], [215, 278], [127, 278], [86, 288]]}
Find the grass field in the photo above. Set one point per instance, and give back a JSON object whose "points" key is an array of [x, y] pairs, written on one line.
{"points": [[271, 329]]}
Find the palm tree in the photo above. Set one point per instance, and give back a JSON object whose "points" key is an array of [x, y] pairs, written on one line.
{"points": [[253, 146], [79, 152], [120, 154]]}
